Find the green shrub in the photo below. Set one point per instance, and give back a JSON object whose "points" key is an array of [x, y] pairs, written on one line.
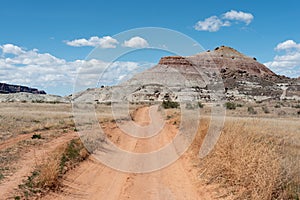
{"points": [[277, 106], [170, 104], [230, 105], [265, 109], [201, 105], [36, 136], [251, 110], [37, 101]]}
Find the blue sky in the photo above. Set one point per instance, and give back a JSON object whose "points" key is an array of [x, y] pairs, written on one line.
{"points": [[41, 46]]}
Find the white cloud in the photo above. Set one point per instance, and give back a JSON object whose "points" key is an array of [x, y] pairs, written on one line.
{"points": [[211, 24], [239, 16], [45, 71], [214, 23], [287, 63], [136, 42], [286, 45], [11, 49], [104, 42]]}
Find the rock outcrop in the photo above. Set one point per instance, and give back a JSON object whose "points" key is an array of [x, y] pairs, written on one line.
{"points": [[7, 88], [220, 74], [26, 97]]}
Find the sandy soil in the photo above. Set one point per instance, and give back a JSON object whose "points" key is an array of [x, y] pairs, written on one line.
{"points": [[93, 180]]}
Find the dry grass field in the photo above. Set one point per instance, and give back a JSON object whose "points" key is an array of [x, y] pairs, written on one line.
{"points": [[256, 157]]}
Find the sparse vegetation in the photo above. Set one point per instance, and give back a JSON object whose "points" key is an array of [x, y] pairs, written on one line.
{"points": [[201, 105], [249, 164], [36, 136], [230, 105], [239, 105], [189, 106], [277, 106], [251, 110], [31, 118], [265, 109], [1, 176], [170, 104], [297, 106], [252, 159], [47, 175]]}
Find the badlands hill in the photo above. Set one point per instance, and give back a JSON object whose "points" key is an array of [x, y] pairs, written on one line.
{"points": [[222, 73]]}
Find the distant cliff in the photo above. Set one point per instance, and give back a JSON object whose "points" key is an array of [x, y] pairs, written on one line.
{"points": [[7, 88]]}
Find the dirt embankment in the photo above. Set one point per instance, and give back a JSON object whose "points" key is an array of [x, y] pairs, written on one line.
{"points": [[29, 161]]}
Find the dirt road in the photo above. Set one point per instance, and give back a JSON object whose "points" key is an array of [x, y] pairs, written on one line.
{"points": [[93, 180]]}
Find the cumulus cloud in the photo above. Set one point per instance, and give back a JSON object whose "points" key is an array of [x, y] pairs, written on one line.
{"points": [[239, 16], [214, 23], [287, 61], [287, 45], [45, 71], [136, 42], [104, 42], [11, 49], [211, 24]]}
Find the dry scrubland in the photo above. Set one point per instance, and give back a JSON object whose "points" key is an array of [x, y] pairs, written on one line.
{"points": [[26, 129], [256, 159], [257, 155], [20, 121]]}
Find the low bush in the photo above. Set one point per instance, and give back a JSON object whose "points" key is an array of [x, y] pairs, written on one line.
{"points": [[36, 136], [170, 104], [251, 110], [201, 105], [265, 109], [230, 105], [277, 106]]}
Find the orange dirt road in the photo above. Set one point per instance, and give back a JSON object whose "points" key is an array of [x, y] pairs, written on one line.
{"points": [[93, 180]]}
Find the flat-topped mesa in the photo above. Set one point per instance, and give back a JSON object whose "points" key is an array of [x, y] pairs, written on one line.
{"points": [[174, 60], [7, 88]]}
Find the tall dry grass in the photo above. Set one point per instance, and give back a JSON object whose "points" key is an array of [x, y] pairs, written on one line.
{"points": [[252, 162], [47, 176]]}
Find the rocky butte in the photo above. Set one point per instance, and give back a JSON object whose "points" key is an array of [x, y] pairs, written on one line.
{"points": [[7, 88], [222, 73]]}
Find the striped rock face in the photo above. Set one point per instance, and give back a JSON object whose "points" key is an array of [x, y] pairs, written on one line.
{"points": [[223, 73]]}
